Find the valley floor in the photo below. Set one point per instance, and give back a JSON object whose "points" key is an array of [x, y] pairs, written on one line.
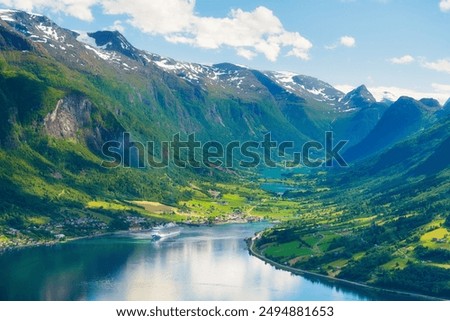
{"points": [[333, 237], [253, 250]]}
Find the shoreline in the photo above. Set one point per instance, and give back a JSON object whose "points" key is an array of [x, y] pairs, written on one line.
{"points": [[76, 238], [253, 251], [56, 242]]}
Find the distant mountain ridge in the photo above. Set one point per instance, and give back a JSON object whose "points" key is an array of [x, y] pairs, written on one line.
{"points": [[401, 120], [195, 97]]}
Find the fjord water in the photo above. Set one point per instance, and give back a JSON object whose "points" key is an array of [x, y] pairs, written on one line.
{"points": [[200, 263]]}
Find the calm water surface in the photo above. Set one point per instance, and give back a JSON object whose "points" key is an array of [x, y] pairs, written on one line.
{"points": [[200, 263]]}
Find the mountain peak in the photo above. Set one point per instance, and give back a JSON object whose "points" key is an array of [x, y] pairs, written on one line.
{"points": [[407, 106], [22, 20], [363, 91], [406, 99], [11, 14], [361, 88], [359, 97], [35, 28], [114, 41], [431, 103]]}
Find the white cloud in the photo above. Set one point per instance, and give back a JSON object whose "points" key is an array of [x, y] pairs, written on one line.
{"points": [[247, 54], [248, 32], [404, 60], [345, 88], [80, 9], [441, 65], [331, 47], [117, 26], [444, 5], [155, 16], [347, 41], [441, 88], [257, 31]]}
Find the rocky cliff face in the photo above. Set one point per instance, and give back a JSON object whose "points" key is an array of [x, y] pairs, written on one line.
{"points": [[74, 117], [70, 115]]}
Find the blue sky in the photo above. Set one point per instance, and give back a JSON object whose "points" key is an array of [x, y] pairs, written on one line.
{"points": [[400, 46]]}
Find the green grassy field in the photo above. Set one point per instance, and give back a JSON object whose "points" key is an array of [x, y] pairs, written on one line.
{"points": [[344, 235]]}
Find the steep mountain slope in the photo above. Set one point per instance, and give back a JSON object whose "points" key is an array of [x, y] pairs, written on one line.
{"points": [[114, 41], [383, 222], [359, 123], [359, 97], [445, 110], [197, 96], [402, 119], [187, 97]]}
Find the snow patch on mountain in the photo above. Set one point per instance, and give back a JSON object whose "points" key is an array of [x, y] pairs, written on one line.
{"points": [[304, 86], [284, 76], [50, 32], [6, 15], [90, 44], [318, 92], [188, 71], [86, 39], [196, 73], [103, 55]]}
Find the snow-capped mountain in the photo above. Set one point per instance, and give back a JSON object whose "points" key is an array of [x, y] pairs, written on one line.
{"points": [[111, 41], [231, 95], [38, 28], [358, 98], [114, 48], [307, 87]]}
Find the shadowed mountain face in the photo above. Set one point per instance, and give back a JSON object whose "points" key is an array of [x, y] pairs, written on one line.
{"points": [[445, 110], [431, 103], [401, 120], [115, 41], [358, 98]]}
